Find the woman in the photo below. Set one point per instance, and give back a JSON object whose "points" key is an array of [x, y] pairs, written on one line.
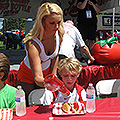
{"points": [[42, 46]]}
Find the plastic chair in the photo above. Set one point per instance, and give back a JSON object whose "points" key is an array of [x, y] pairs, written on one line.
{"points": [[35, 96], [107, 87]]}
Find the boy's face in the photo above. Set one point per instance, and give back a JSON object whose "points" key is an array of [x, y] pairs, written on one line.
{"points": [[68, 79]]}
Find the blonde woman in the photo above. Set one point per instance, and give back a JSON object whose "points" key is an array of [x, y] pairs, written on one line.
{"points": [[42, 47]]}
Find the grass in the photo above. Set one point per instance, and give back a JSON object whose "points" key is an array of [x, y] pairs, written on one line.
{"points": [[3, 46]]}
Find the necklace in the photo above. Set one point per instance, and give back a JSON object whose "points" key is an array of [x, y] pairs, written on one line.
{"points": [[52, 37]]}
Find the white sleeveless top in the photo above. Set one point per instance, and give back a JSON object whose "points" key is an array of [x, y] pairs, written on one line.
{"points": [[45, 58]]}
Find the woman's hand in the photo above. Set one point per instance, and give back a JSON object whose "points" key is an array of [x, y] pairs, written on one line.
{"points": [[52, 87]]}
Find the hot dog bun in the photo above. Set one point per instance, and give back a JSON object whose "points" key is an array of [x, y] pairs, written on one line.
{"points": [[75, 107], [66, 107]]}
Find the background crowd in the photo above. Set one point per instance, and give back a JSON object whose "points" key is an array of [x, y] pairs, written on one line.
{"points": [[11, 39]]}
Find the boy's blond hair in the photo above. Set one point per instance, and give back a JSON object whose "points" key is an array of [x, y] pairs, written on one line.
{"points": [[72, 65]]}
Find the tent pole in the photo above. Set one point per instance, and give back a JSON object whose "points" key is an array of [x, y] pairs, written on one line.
{"points": [[113, 22]]}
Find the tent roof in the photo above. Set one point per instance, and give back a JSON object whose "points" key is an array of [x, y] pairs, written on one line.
{"points": [[28, 8], [107, 5], [117, 10]]}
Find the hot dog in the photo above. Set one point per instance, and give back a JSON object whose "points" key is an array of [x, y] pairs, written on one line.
{"points": [[75, 107], [52, 79]]}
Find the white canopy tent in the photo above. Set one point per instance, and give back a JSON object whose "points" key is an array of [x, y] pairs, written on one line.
{"points": [[28, 8], [110, 6]]}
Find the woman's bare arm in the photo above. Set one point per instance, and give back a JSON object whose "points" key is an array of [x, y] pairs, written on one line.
{"points": [[35, 62], [54, 64]]}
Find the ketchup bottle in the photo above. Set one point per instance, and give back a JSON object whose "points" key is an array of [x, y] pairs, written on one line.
{"points": [[52, 79]]}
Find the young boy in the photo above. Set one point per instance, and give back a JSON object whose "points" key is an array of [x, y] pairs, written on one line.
{"points": [[69, 69], [7, 92]]}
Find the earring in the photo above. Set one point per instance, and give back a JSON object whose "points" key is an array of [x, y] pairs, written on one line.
{"points": [[43, 25]]}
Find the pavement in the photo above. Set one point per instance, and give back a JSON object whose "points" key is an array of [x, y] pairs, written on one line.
{"points": [[15, 57]]}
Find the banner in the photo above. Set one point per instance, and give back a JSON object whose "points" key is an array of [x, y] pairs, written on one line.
{"points": [[28, 8], [105, 22], [18, 8]]}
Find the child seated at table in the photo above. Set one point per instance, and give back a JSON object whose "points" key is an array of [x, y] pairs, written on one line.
{"points": [[69, 69], [7, 92]]}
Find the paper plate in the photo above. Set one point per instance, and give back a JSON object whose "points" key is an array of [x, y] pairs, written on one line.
{"points": [[57, 110]]}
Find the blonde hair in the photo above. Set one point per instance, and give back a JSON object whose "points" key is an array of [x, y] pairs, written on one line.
{"points": [[4, 66], [72, 65], [38, 29]]}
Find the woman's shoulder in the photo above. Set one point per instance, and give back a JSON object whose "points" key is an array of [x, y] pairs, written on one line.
{"points": [[31, 41], [34, 43]]}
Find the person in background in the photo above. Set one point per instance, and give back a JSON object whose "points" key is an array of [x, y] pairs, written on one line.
{"points": [[7, 92], [71, 38], [87, 20], [42, 47], [10, 39], [22, 36], [69, 69], [16, 39]]}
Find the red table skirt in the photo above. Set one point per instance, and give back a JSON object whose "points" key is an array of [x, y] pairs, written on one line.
{"points": [[88, 74], [98, 72], [106, 109]]}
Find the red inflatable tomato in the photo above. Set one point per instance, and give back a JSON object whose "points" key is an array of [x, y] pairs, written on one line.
{"points": [[106, 52]]}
